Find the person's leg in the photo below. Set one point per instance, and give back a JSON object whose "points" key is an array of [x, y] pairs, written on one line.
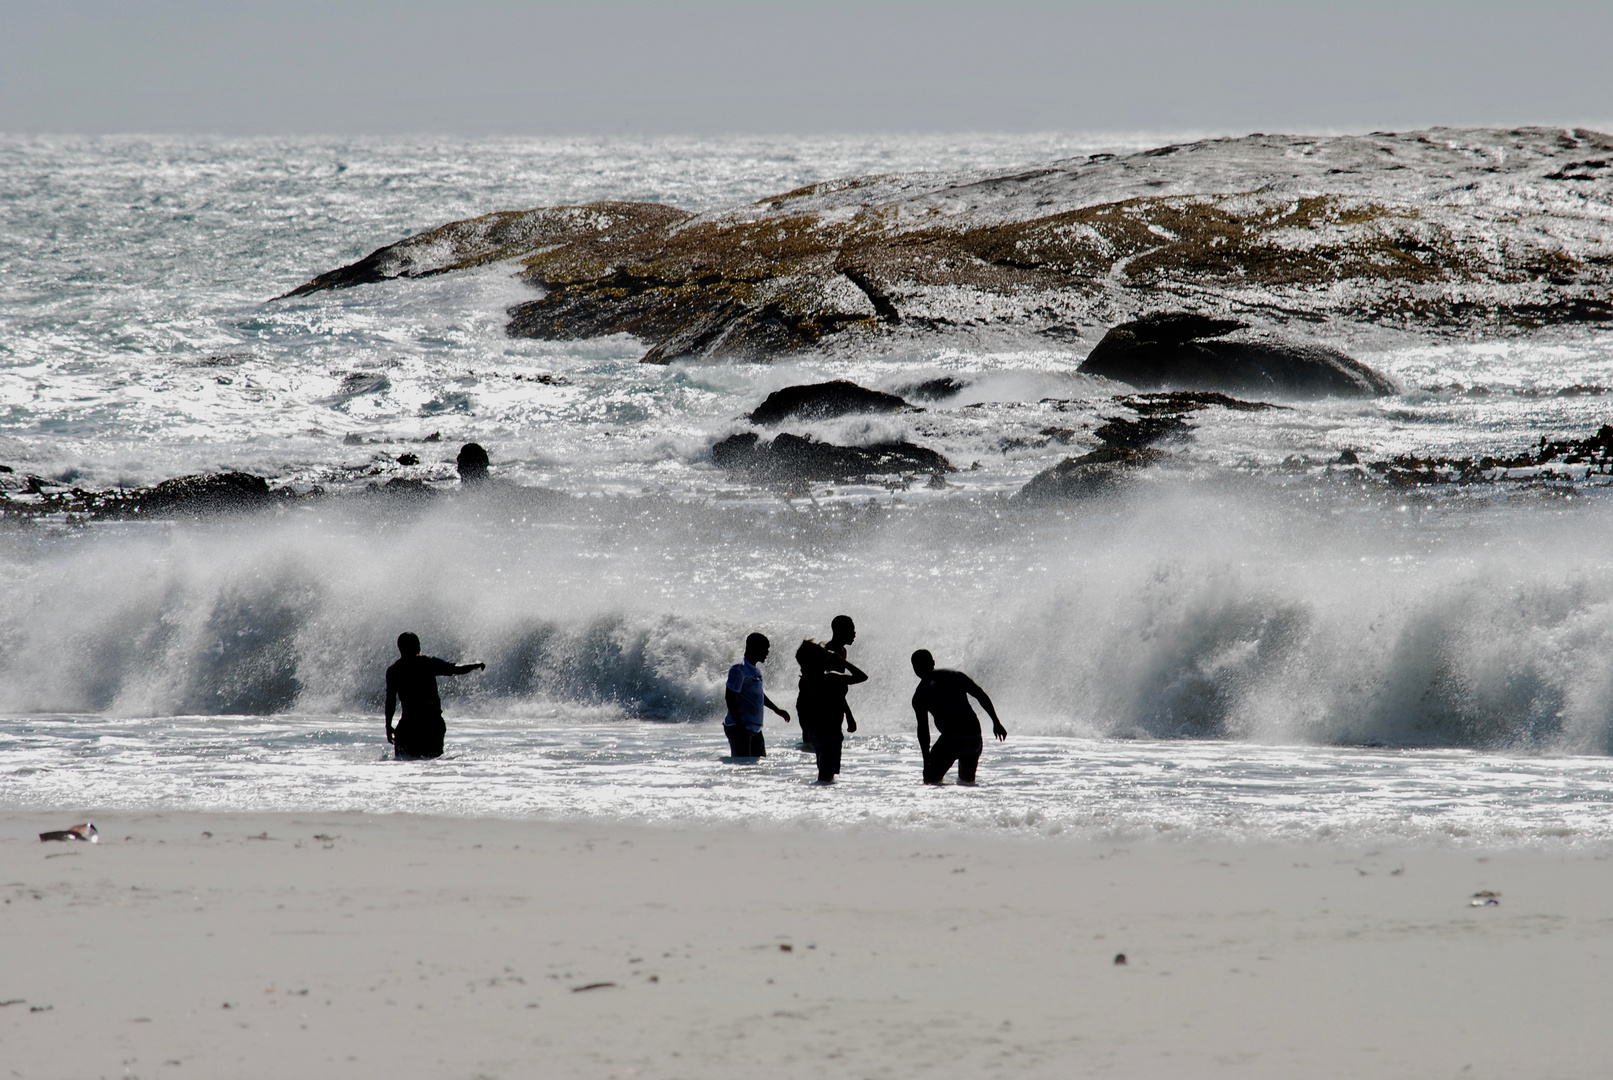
{"points": [[968, 761], [738, 740], [828, 743], [942, 754], [758, 745]]}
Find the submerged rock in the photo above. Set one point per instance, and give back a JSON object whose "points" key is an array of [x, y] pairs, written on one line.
{"points": [[821, 401], [1128, 445], [203, 494], [796, 458], [1184, 351], [1096, 473], [940, 389]]}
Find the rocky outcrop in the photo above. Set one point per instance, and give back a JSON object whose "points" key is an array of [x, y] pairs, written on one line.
{"points": [[823, 401], [183, 496], [1128, 445], [1186, 351], [1442, 230], [794, 459]]}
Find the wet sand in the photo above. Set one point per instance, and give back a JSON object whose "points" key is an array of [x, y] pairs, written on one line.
{"points": [[365, 946]]}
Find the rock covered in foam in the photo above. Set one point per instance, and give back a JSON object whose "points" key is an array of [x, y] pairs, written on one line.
{"points": [[1177, 350]]}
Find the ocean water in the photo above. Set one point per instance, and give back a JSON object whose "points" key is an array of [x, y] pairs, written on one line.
{"points": [[1239, 646]]}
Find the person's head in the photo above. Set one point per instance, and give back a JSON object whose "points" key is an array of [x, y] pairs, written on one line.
{"points": [[845, 630], [472, 463], [812, 657], [408, 644], [923, 663], [756, 647]]}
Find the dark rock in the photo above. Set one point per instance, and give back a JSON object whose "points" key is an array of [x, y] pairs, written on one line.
{"points": [[408, 459], [1595, 452], [1146, 431], [1098, 473], [1184, 351], [472, 462], [820, 401], [793, 458], [203, 494], [1348, 457], [936, 389], [1182, 401]]}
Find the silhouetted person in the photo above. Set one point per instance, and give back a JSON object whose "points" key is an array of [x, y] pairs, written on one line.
{"points": [[945, 695], [472, 464], [413, 680], [822, 703], [743, 724], [842, 632]]}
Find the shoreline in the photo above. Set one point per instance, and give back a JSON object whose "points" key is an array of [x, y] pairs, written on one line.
{"points": [[363, 945]]}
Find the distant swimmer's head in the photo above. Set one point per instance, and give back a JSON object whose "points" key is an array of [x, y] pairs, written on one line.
{"points": [[756, 648], [923, 663], [844, 629], [472, 463], [408, 644]]}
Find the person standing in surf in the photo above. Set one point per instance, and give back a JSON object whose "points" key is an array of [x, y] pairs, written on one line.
{"points": [[945, 695], [842, 632], [822, 702], [413, 681], [745, 697]]}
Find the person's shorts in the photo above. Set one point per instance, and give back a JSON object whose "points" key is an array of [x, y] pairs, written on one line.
{"points": [[743, 742], [416, 741], [947, 751]]}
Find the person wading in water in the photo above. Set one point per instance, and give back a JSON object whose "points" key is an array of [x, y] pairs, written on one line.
{"points": [[842, 632], [945, 695], [745, 698], [822, 702], [413, 680]]}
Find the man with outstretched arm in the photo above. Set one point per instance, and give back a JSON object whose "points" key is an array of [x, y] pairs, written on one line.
{"points": [[413, 680], [945, 695], [743, 724]]}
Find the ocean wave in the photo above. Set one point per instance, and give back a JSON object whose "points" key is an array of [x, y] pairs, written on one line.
{"points": [[1181, 610]]}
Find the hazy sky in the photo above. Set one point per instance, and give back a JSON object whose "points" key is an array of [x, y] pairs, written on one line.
{"points": [[640, 67]]}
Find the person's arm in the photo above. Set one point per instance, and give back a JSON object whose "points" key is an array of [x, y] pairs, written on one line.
{"points": [[391, 707], [853, 676], [769, 703], [923, 715], [979, 695], [462, 669]]}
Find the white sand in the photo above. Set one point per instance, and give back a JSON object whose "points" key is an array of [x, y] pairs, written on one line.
{"points": [[442, 948]]}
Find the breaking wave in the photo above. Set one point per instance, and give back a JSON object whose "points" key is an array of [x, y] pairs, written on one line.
{"points": [[1225, 610]]}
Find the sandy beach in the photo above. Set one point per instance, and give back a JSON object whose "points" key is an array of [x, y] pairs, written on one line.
{"points": [[248, 945]]}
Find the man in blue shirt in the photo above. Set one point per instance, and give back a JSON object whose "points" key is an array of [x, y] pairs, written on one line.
{"points": [[945, 695], [743, 724]]}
